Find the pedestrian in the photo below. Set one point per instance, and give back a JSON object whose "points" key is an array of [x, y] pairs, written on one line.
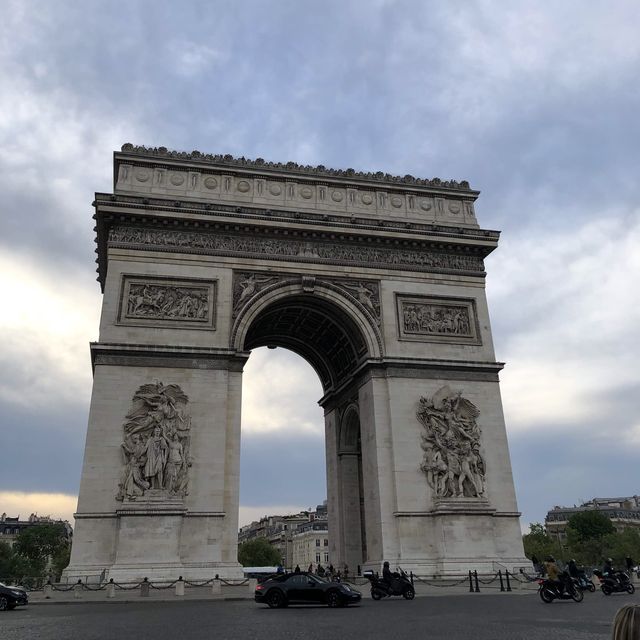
{"points": [[297, 569], [626, 624], [629, 561]]}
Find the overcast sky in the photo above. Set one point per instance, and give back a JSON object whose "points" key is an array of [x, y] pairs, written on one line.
{"points": [[535, 103]]}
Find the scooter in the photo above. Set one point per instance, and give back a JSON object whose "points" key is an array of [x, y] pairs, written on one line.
{"points": [[584, 584], [400, 585], [617, 582], [549, 590]]}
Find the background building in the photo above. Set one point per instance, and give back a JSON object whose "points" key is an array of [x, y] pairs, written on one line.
{"points": [[10, 527], [624, 513], [291, 535]]}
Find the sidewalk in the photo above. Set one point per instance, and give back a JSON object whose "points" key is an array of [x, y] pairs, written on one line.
{"points": [[245, 592]]}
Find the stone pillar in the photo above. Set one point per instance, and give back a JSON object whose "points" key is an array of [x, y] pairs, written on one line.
{"points": [[180, 587], [253, 583], [216, 587], [77, 590], [111, 589], [144, 588], [47, 590]]}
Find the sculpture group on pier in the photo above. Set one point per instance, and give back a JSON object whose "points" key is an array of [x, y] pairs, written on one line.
{"points": [[156, 443]]}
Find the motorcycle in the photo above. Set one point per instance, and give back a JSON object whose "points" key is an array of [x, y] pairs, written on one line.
{"points": [[549, 590], [584, 584], [400, 585], [616, 582]]}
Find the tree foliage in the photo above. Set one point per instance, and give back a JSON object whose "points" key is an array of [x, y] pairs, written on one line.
{"points": [[589, 525], [540, 545], [589, 541], [258, 553], [37, 549]]}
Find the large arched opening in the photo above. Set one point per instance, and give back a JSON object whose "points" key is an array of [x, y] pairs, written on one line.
{"points": [[329, 335]]}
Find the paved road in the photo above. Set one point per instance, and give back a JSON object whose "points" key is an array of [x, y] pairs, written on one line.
{"points": [[480, 617]]}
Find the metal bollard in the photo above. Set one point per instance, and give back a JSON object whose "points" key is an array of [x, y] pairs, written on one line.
{"points": [[144, 588], [508, 583], [111, 589], [180, 587], [77, 590], [475, 577], [501, 582]]}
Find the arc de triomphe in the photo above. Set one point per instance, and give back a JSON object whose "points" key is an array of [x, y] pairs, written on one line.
{"points": [[376, 280]]}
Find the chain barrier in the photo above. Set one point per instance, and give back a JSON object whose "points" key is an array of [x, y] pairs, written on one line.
{"points": [[199, 584], [168, 586]]}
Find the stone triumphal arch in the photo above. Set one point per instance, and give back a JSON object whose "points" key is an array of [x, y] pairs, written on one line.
{"points": [[376, 280]]}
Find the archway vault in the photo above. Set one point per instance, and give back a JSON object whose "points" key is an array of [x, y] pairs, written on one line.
{"points": [[321, 321]]}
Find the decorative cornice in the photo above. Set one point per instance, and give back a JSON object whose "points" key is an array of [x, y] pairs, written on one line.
{"points": [[293, 167]]}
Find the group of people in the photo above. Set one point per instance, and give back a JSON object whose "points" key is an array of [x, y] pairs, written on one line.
{"points": [[328, 572]]}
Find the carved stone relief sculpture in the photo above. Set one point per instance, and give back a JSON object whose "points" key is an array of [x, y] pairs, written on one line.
{"points": [[450, 440], [279, 249], [156, 444], [366, 293], [246, 285], [166, 302], [437, 319]]}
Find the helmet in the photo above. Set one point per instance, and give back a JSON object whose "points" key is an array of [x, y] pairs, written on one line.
{"points": [[609, 559]]}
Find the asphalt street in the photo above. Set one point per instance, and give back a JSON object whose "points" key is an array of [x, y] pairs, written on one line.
{"points": [[481, 617]]}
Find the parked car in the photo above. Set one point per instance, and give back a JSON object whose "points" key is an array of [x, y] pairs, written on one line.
{"points": [[12, 597], [304, 588]]}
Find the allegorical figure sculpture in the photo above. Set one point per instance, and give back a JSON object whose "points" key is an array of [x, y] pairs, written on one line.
{"points": [[156, 443], [452, 460]]}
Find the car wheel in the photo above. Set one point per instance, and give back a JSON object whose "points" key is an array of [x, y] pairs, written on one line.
{"points": [[275, 599], [334, 599], [376, 595], [631, 588], [4, 603], [409, 594]]}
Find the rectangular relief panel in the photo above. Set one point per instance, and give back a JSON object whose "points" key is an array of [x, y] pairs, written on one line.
{"points": [[163, 301], [437, 319]]}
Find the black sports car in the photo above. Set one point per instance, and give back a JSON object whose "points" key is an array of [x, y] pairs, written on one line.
{"points": [[12, 597], [304, 588]]}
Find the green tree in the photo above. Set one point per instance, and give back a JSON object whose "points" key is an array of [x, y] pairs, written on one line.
{"points": [[589, 525], [588, 536], [539, 544], [13, 567], [258, 553], [41, 544]]}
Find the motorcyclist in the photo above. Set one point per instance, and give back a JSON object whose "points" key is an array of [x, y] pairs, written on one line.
{"points": [[553, 573], [572, 567], [607, 569], [387, 576]]}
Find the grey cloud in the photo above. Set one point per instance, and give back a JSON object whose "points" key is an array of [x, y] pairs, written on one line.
{"points": [[282, 468], [535, 105]]}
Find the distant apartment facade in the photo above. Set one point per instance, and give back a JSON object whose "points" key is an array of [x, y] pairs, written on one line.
{"points": [[11, 527], [291, 536], [624, 513]]}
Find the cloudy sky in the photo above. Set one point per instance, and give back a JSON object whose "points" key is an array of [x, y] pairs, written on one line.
{"points": [[535, 103]]}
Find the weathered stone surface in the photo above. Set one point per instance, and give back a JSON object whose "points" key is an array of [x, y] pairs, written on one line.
{"points": [[378, 282]]}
